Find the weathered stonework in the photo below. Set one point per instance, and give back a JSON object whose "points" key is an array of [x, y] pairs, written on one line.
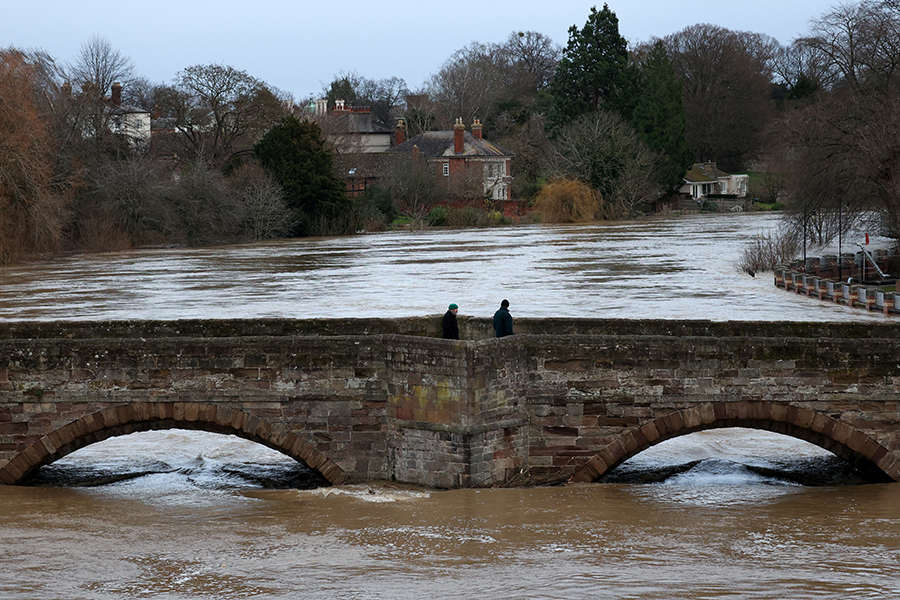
{"points": [[368, 399]]}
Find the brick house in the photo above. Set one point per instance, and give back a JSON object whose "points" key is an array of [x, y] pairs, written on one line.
{"points": [[457, 152]]}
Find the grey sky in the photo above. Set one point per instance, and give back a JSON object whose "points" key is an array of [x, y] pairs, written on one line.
{"points": [[299, 46]]}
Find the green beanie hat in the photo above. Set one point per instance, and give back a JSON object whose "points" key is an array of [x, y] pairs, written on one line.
{"points": [[453, 307]]}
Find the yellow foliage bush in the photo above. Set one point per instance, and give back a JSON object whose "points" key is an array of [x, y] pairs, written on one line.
{"points": [[568, 201]]}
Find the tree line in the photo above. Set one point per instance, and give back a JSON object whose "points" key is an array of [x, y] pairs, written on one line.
{"points": [[597, 129]]}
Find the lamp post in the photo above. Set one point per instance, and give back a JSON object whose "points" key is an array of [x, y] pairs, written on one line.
{"points": [[840, 244], [805, 220], [841, 205]]}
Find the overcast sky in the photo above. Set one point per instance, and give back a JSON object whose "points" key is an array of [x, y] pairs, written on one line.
{"points": [[298, 46]]}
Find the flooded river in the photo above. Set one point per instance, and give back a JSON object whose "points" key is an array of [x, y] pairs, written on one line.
{"points": [[737, 514], [676, 268]]}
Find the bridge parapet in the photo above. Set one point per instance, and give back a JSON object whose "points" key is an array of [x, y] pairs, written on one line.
{"points": [[366, 399]]}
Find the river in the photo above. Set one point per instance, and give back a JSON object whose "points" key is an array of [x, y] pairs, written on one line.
{"points": [[184, 515]]}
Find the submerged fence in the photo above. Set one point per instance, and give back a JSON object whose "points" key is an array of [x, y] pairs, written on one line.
{"points": [[849, 279]]}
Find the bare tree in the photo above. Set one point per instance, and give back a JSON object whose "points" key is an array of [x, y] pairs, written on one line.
{"points": [[267, 214], [91, 78], [726, 86], [484, 81], [467, 85], [500, 85], [842, 149], [529, 143], [384, 98], [858, 45], [207, 209], [603, 150], [221, 112], [99, 66], [798, 62], [413, 186], [129, 196], [528, 60], [32, 207]]}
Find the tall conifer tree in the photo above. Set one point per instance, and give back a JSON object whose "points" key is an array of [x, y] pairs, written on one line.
{"points": [[590, 71], [657, 114], [295, 153]]}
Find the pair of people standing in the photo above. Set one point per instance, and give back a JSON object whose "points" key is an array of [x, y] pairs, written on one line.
{"points": [[503, 322]]}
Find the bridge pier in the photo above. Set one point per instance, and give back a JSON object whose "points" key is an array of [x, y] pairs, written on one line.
{"points": [[373, 399]]}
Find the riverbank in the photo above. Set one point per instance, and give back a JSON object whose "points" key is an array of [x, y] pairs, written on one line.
{"points": [[868, 284]]}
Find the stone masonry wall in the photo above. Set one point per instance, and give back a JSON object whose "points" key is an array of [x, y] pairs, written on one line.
{"points": [[331, 389], [590, 392], [561, 399]]}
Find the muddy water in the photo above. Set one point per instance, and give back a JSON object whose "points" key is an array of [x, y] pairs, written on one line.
{"points": [[727, 539], [185, 515], [675, 268]]}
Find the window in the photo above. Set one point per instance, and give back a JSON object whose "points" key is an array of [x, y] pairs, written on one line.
{"points": [[446, 169], [493, 170]]}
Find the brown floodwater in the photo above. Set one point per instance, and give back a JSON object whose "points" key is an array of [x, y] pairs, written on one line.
{"points": [[586, 541], [670, 268], [731, 514]]}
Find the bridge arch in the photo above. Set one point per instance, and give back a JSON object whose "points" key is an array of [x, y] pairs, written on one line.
{"points": [[132, 418], [818, 428]]}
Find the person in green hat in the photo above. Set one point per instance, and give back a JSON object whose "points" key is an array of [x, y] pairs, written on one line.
{"points": [[451, 328]]}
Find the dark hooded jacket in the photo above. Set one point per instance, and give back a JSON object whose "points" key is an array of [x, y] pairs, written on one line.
{"points": [[503, 322], [450, 326]]}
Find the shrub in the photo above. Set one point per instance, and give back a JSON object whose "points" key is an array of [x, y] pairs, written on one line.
{"points": [[99, 231], [767, 251], [266, 213], [466, 217], [495, 218], [375, 204], [437, 216], [568, 201]]}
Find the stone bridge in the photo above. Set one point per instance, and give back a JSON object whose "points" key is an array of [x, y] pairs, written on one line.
{"points": [[386, 399]]}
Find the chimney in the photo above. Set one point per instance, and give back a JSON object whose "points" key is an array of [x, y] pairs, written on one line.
{"points": [[476, 128], [116, 94], [458, 132], [401, 132], [321, 107]]}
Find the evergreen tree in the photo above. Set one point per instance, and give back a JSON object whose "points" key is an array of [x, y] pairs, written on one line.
{"points": [[295, 153], [590, 71], [657, 114]]}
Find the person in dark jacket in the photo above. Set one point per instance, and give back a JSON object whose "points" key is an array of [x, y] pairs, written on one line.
{"points": [[450, 326], [503, 321]]}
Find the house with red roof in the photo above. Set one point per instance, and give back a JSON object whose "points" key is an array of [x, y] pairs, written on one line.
{"points": [[459, 152]]}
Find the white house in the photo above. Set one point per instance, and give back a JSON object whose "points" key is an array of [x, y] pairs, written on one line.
{"points": [[705, 179], [131, 122]]}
